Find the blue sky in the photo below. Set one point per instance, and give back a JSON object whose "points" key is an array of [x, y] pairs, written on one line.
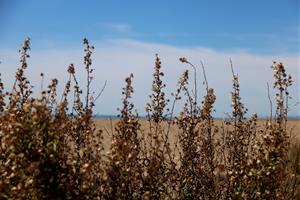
{"points": [[259, 26], [127, 34]]}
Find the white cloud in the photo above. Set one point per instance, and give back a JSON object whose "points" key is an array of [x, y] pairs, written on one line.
{"points": [[116, 59], [121, 27]]}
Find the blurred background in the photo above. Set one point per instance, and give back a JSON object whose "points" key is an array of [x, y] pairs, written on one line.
{"points": [[128, 34]]}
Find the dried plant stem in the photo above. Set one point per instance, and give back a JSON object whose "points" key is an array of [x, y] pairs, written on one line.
{"points": [[204, 75], [101, 91], [271, 104]]}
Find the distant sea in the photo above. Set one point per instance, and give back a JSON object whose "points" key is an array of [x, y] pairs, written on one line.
{"points": [[142, 117], [106, 116], [112, 117]]}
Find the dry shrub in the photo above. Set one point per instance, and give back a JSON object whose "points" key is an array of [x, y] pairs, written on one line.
{"points": [[48, 152], [293, 172], [124, 168], [50, 148], [197, 142]]}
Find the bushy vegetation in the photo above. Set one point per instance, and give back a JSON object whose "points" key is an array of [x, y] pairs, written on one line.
{"points": [[50, 147]]}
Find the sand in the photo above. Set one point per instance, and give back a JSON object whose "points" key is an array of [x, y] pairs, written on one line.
{"points": [[107, 125]]}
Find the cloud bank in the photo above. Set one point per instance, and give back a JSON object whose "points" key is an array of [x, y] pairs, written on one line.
{"points": [[116, 59]]}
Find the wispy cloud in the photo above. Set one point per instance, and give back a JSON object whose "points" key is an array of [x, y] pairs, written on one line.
{"points": [[116, 59], [121, 27]]}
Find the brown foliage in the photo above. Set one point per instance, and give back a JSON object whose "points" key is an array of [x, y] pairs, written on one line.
{"points": [[50, 148]]}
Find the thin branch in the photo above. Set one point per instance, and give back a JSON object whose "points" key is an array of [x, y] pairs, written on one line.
{"points": [[184, 60], [195, 79], [204, 75], [65, 93], [101, 91], [42, 81], [111, 126], [231, 66], [271, 105], [87, 87], [107, 132]]}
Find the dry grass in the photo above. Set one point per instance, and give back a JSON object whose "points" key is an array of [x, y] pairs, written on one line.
{"points": [[52, 148]]}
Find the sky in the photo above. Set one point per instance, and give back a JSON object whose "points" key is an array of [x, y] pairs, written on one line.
{"points": [[128, 34]]}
